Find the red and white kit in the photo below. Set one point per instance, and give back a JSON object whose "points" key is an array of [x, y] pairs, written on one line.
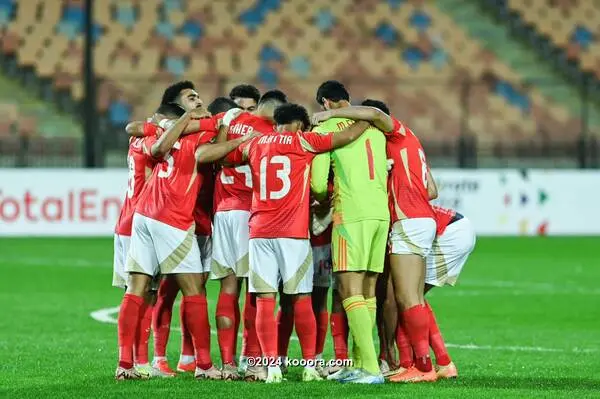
{"points": [[140, 166], [454, 242], [413, 220], [232, 200], [163, 237], [279, 224]]}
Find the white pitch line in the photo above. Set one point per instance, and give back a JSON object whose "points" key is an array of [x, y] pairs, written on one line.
{"points": [[106, 315]]}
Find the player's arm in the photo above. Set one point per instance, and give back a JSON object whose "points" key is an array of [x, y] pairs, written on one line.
{"points": [[319, 175], [380, 119], [207, 153], [432, 190], [167, 140], [226, 121]]}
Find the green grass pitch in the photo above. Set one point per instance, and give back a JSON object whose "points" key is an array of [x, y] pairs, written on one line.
{"points": [[522, 322]]}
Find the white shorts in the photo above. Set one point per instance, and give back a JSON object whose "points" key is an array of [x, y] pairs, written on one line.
{"points": [[285, 259], [157, 247], [230, 244], [121, 247], [322, 266], [412, 236], [449, 253], [205, 246]]}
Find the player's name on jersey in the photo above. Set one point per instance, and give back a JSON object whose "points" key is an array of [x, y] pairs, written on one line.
{"points": [[281, 139], [240, 129]]}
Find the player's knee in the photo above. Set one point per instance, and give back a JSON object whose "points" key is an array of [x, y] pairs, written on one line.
{"points": [[224, 322]]}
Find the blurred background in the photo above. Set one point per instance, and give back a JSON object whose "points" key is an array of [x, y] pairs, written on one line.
{"points": [[484, 83]]}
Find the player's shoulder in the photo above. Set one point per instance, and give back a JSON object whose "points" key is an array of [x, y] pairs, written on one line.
{"points": [[333, 125]]}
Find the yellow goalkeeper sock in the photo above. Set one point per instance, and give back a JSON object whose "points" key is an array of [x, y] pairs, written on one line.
{"points": [[359, 322]]}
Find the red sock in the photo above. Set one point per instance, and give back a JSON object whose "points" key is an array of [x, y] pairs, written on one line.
{"points": [[404, 348], [163, 312], [322, 327], [226, 336], [143, 334], [416, 323], [306, 327], [285, 327], [129, 317], [195, 313], [236, 309], [187, 345], [251, 344], [436, 341], [266, 326], [339, 332]]}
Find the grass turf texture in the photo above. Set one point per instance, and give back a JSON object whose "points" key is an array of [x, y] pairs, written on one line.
{"points": [[515, 295]]}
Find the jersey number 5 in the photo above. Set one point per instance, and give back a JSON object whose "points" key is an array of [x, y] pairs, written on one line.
{"points": [[131, 181], [283, 174], [164, 173]]}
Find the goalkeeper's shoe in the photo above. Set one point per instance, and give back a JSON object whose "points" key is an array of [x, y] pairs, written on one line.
{"points": [[163, 366], [153, 371], [212, 373], [363, 377], [446, 372], [413, 374], [230, 372], [130, 374], [341, 374], [311, 374]]}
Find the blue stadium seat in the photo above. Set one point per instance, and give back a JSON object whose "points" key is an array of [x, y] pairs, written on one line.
{"points": [[301, 66], [270, 53], [175, 65], [172, 5], [192, 29], [119, 112], [420, 20], [267, 76], [165, 29], [387, 33], [324, 20], [583, 36], [394, 4], [413, 57], [125, 15]]}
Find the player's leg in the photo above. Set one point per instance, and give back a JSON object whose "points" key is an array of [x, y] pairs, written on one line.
{"points": [[263, 281], [448, 256], [339, 326], [295, 260], [141, 264], [285, 326], [321, 283], [161, 321], [351, 263], [411, 240], [179, 255]]}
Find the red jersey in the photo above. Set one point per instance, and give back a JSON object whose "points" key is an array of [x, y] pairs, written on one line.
{"points": [[443, 216], [407, 181], [204, 203], [280, 166], [140, 166], [172, 190], [233, 188]]}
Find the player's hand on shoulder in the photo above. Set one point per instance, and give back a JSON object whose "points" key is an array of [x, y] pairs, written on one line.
{"points": [[250, 136], [319, 117]]}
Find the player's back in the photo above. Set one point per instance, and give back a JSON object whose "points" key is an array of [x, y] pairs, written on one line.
{"points": [[233, 186], [140, 165], [360, 174], [280, 168], [408, 183], [174, 184]]}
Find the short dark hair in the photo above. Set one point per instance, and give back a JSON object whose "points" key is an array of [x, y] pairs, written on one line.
{"points": [[221, 104], [273, 96], [172, 92], [380, 105], [245, 91], [288, 113], [333, 91], [170, 110]]}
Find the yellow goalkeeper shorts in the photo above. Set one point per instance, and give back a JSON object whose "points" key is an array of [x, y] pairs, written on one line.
{"points": [[359, 246]]}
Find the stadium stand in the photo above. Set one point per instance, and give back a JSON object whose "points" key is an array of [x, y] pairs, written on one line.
{"points": [[433, 74]]}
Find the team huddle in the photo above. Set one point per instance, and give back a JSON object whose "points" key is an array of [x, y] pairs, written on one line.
{"points": [[252, 189]]}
